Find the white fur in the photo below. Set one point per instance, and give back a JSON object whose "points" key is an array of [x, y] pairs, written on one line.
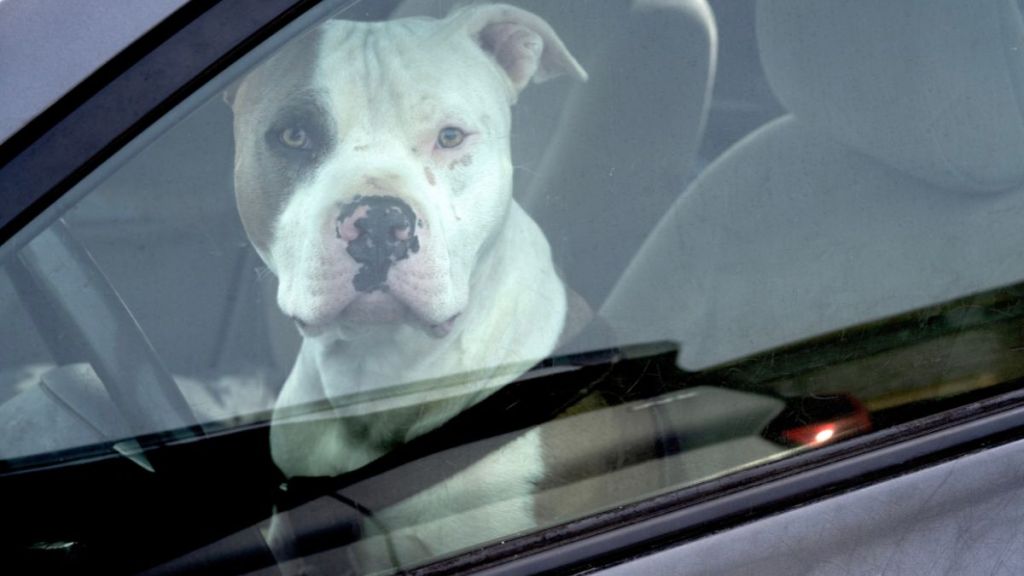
{"points": [[515, 314], [483, 262]]}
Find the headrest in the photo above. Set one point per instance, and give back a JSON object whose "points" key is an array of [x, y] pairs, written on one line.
{"points": [[931, 87]]}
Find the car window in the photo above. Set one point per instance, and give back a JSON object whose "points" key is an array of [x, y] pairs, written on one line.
{"points": [[391, 291]]}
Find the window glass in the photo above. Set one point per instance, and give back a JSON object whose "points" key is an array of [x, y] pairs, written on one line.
{"points": [[403, 288]]}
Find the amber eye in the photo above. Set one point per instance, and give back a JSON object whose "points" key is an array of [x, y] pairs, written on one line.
{"points": [[450, 137], [295, 138]]}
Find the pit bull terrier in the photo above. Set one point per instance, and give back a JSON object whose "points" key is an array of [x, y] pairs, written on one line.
{"points": [[374, 178]]}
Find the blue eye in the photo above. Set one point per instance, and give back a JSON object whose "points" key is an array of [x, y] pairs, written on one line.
{"points": [[450, 137]]}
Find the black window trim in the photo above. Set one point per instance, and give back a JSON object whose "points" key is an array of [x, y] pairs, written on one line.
{"points": [[76, 134], [99, 117], [135, 89]]}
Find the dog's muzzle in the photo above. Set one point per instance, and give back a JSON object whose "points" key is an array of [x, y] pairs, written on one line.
{"points": [[379, 230]]}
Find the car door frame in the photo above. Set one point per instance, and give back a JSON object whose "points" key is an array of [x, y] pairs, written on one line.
{"points": [[103, 114]]}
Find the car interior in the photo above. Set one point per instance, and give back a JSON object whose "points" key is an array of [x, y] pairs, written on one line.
{"points": [[797, 220], [837, 212]]}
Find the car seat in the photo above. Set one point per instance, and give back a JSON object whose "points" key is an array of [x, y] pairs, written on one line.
{"points": [[894, 182]]}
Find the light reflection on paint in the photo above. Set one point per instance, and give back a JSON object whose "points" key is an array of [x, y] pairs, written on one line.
{"points": [[824, 435]]}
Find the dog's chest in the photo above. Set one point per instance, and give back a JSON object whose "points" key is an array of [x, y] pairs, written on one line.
{"points": [[463, 508]]}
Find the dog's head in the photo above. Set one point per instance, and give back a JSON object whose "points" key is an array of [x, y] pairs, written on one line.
{"points": [[372, 164]]}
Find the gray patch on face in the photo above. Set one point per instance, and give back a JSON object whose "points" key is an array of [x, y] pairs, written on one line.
{"points": [[277, 95]]}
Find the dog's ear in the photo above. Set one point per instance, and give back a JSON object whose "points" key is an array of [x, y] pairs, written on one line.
{"points": [[522, 43], [231, 91]]}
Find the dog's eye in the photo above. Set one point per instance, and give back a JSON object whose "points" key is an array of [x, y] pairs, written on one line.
{"points": [[296, 138], [450, 137]]}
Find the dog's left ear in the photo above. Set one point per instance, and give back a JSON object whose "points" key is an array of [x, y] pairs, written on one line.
{"points": [[231, 91], [522, 43]]}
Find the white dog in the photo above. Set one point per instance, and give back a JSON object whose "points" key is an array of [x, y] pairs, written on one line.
{"points": [[374, 178]]}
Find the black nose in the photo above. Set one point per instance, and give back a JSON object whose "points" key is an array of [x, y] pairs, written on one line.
{"points": [[385, 232]]}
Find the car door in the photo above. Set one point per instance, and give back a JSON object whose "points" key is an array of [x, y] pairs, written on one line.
{"points": [[727, 410]]}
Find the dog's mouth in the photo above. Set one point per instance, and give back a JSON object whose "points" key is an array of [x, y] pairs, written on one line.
{"points": [[375, 267], [376, 309]]}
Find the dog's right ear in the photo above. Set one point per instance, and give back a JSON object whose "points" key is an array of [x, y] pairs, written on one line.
{"points": [[521, 43]]}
